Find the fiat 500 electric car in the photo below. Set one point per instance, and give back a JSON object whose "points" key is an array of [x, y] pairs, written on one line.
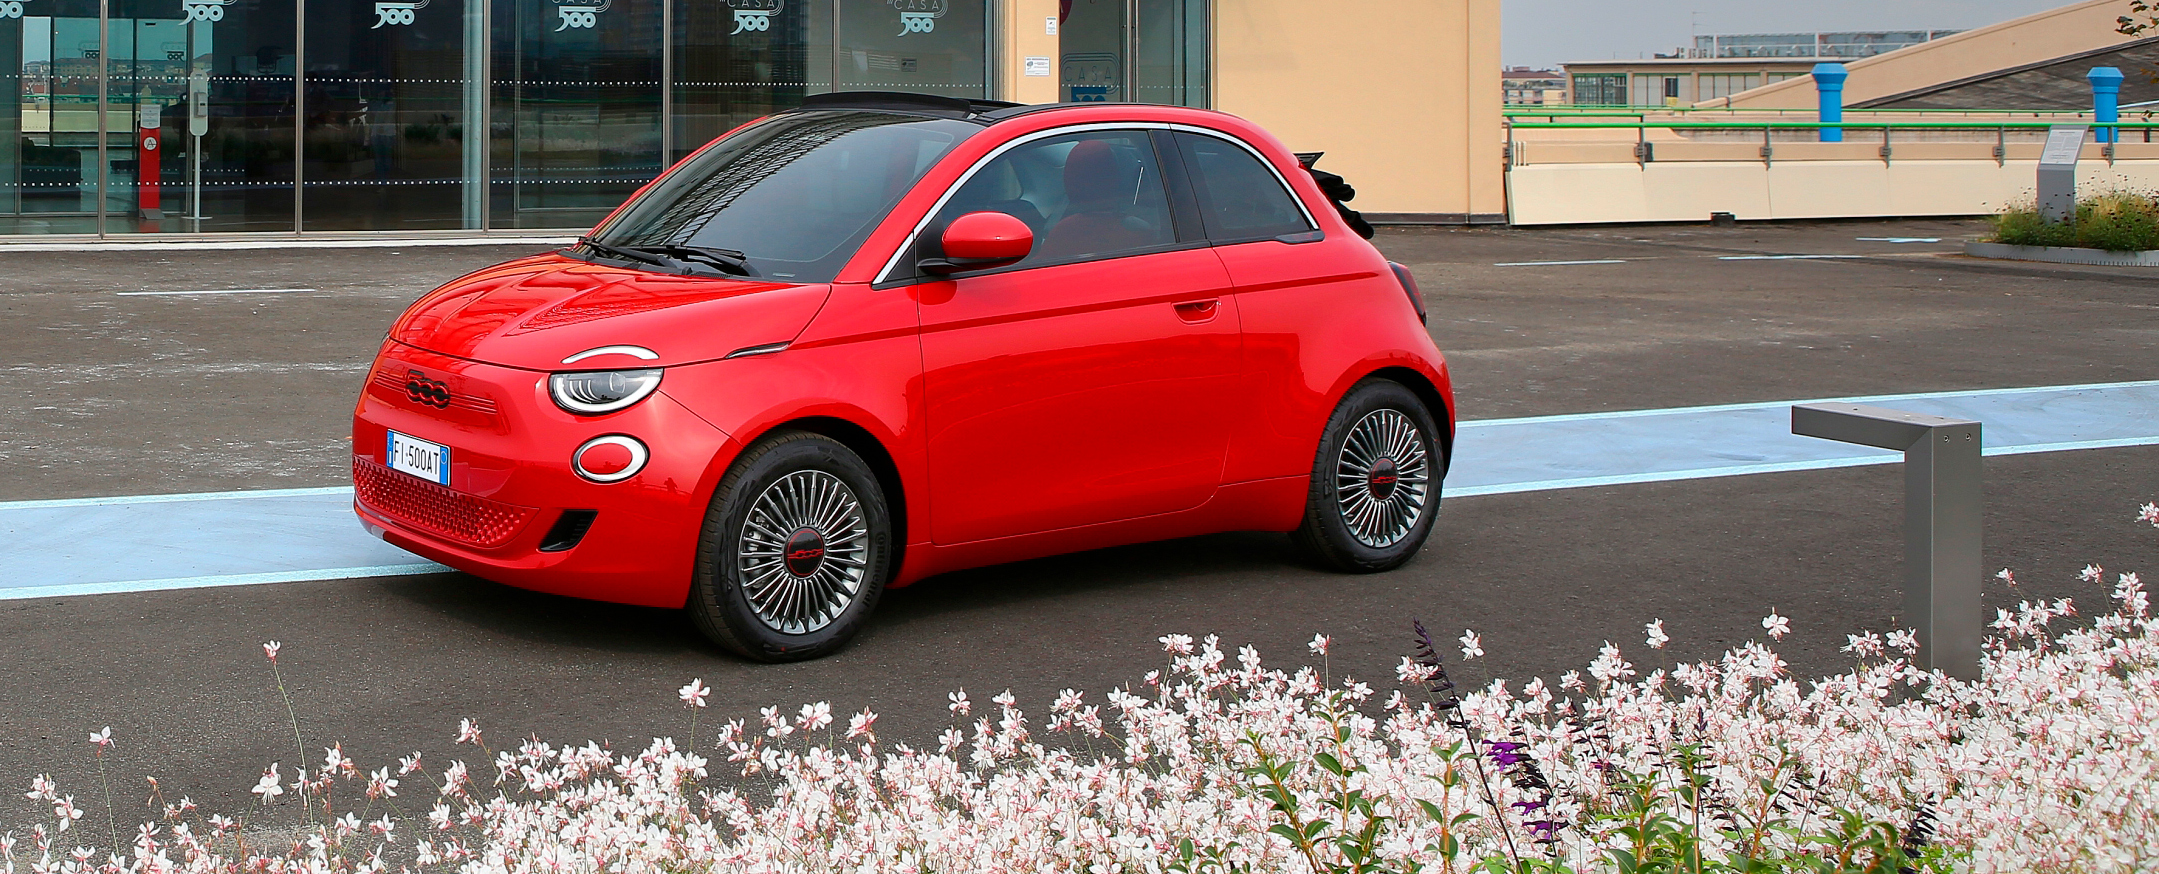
{"points": [[881, 337]]}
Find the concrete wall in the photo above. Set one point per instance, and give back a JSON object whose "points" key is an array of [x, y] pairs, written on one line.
{"points": [[1423, 140], [2078, 27], [1805, 180]]}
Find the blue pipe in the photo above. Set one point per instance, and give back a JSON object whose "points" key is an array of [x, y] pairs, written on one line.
{"points": [[1829, 84], [2106, 100]]}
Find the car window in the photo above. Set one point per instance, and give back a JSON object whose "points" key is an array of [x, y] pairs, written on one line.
{"points": [[1092, 195], [796, 195], [1239, 198]]}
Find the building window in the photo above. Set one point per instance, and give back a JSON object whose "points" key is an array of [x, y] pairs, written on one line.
{"points": [[1716, 85], [1600, 89]]}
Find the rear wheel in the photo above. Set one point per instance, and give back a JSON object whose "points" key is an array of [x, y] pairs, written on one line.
{"points": [[795, 550], [1375, 482]]}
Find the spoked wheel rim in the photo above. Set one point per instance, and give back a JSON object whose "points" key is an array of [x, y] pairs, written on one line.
{"points": [[804, 552], [1383, 479]]}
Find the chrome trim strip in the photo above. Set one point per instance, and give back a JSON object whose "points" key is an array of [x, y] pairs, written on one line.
{"points": [[638, 352], [766, 349]]}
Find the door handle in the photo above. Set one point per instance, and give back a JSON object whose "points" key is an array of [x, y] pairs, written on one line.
{"points": [[1198, 311]]}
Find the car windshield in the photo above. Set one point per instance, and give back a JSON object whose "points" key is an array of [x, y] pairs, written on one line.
{"points": [[790, 198]]}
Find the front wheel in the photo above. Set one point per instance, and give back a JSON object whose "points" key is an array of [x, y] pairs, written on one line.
{"points": [[795, 550], [1375, 482]]}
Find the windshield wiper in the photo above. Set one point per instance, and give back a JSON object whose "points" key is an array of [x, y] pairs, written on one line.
{"points": [[680, 259], [729, 260]]}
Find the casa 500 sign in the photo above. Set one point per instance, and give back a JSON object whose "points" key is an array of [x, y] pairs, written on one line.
{"points": [[920, 16], [754, 16]]}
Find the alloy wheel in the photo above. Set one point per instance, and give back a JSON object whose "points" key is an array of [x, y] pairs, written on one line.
{"points": [[803, 552], [1383, 478]]}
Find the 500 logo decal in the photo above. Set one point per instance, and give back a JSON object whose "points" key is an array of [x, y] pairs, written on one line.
{"points": [[580, 15], [920, 16], [10, 8], [754, 15], [396, 13], [205, 10]]}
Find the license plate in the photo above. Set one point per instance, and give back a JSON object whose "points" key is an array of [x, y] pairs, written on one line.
{"points": [[428, 461]]}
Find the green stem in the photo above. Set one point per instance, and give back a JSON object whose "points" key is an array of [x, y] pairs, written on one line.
{"points": [[297, 743]]}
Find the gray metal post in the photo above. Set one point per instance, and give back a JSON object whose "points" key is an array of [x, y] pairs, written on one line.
{"points": [[1942, 506]]}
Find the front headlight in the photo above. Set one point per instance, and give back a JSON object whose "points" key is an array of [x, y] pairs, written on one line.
{"points": [[590, 393]]}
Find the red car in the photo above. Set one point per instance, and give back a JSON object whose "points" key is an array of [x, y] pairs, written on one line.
{"points": [[883, 336]]}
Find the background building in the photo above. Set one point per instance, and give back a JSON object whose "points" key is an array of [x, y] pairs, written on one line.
{"points": [[186, 116], [1528, 86], [1674, 81], [1848, 44]]}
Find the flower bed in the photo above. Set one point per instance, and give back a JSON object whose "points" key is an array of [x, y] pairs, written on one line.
{"points": [[2118, 222], [1219, 763]]}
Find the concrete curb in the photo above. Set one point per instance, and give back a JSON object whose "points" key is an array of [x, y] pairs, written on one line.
{"points": [[2064, 255]]}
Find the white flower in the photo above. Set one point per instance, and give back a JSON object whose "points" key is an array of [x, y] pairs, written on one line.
{"points": [[381, 785], [1657, 638], [959, 705], [270, 649], [693, 695], [64, 810], [468, 731], [2091, 573], [1177, 644], [1471, 646], [1777, 626], [1319, 644], [2005, 576], [862, 725], [814, 716], [268, 787], [103, 739], [41, 788]]}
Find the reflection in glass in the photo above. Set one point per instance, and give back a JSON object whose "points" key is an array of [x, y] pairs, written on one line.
{"points": [[795, 195], [385, 114], [924, 46], [576, 108], [736, 60]]}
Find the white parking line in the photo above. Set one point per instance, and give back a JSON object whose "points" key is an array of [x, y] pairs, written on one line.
{"points": [[1558, 263], [1782, 257], [215, 291]]}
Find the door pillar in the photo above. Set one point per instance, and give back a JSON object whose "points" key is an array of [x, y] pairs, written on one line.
{"points": [[1027, 51]]}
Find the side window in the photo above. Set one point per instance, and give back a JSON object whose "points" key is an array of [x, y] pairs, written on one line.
{"points": [[1239, 198], [1092, 195]]}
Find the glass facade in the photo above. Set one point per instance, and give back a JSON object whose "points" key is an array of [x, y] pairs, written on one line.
{"points": [[176, 116], [1140, 51]]}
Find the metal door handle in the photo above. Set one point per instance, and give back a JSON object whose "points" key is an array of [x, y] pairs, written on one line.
{"points": [[1198, 311]]}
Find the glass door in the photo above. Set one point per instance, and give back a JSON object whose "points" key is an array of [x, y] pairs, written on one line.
{"points": [[1142, 51]]}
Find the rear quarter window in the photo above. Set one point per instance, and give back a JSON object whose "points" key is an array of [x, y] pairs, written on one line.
{"points": [[1239, 198]]}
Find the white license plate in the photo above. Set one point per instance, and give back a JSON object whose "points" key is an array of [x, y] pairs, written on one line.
{"points": [[428, 461]]}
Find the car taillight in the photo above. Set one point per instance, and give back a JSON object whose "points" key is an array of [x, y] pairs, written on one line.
{"points": [[1409, 287]]}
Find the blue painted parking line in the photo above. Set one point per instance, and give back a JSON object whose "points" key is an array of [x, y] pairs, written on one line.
{"points": [[87, 546], [1499, 456]]}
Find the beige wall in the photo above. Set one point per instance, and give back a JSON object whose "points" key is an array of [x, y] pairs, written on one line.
{"points": [[1404, 96], [1023, 34], [2067, 30]]}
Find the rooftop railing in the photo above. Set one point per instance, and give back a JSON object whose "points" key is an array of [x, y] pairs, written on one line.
{"points": [[1578, 142]]}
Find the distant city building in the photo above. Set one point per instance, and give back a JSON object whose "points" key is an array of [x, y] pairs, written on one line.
{"points": [[1529, 86], [1674, 81], [1849, 44]]}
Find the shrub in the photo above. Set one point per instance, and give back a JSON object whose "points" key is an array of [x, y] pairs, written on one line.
{"points": [[2117, 221]]}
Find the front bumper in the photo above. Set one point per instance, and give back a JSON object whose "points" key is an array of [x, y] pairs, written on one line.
{"points": [[511, 482]]}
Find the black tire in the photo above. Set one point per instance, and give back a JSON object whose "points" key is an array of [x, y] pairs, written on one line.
{"points": [[1356, 527], [780, 603]]}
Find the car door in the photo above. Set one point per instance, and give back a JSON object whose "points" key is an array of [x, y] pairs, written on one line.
{"points": [[1090, 382]]}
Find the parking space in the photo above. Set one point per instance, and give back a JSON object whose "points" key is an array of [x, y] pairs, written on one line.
{"points": [[130, 394]]}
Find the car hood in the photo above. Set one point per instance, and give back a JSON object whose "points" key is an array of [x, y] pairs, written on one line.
{"points": [[534, 312]]}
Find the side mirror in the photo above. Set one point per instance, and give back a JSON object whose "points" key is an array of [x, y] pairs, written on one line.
{"points": [[979, 241]]}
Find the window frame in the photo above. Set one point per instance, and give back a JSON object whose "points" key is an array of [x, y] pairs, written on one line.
{"points": [[899, 269]]}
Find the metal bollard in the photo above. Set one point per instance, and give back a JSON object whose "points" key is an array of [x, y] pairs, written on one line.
{"points": [[1942, 506]]}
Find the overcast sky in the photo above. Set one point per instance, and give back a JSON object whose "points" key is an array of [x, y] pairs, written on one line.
{"points": [[1546, 33]]}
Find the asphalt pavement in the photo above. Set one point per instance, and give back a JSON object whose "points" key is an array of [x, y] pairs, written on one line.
{"points": [[114, 393]]}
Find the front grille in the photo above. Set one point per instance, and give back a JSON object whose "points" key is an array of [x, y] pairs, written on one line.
{"points": [[436, 509], [399, 383]]}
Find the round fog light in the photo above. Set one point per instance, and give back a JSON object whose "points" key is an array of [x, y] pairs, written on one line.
{"points": [[612, 458]]}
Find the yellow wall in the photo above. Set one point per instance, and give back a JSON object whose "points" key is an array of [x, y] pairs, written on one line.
{"points": [[2078, 27], [1404, 96], [1024, 35]]}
